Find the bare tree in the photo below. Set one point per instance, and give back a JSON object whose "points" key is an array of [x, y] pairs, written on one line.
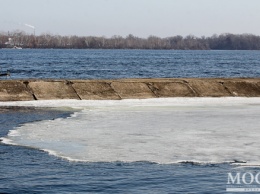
{"points": [[223, 41]]}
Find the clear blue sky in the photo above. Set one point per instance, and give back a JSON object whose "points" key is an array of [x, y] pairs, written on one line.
{"points": [[138, 17]]}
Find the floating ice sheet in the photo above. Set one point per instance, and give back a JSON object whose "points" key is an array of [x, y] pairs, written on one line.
{"points": [[207, 130]]}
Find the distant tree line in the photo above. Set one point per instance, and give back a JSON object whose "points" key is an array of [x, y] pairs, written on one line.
{"points": [[215, 42]]}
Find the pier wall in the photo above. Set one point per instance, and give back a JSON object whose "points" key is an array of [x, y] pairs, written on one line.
{"points": [[24, 90]]}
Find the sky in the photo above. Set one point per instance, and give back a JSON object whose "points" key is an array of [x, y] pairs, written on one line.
{"points": [[163, 18]]}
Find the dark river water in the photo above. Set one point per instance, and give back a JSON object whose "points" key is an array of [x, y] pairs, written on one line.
{"points": [[114, 64]]}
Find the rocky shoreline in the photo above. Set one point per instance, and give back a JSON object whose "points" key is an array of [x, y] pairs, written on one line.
{"points": [[27, 90]]}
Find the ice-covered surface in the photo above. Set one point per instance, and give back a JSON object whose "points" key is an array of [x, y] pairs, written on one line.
{"points": [[207, 130]]}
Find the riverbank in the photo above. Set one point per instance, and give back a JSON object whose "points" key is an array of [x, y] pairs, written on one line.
{"points": [[26, 90]]}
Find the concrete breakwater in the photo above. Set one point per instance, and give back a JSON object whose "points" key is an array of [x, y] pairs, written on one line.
{"points": [[25, 90]]}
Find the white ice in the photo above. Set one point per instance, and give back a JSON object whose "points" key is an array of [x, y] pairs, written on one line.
{"points": [[207, 130]]}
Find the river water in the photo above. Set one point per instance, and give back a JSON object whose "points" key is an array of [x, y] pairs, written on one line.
{"points": [[174, 145], [114, 64]]}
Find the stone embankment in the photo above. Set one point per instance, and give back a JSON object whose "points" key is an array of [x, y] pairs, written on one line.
{"points": [[24, 90]]}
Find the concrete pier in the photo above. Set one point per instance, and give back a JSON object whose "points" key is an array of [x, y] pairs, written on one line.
{"points": [[24, 90]]}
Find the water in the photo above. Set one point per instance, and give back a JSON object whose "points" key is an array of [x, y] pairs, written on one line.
{"points": [[131, 146], [114, 64], [175, 145]]}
